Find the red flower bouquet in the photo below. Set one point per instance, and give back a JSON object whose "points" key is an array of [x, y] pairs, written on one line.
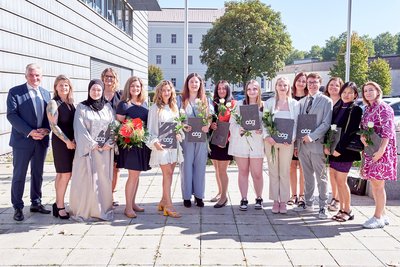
{"points": [[131, 132]]}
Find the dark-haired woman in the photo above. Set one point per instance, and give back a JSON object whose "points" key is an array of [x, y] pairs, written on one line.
{"points": [[219, 155], [92, 170], [347, 116], [332, 90], [60, 112], [299, 90]]}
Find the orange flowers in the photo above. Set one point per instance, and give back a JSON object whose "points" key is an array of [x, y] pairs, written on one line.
{"points": [[131, 133]]}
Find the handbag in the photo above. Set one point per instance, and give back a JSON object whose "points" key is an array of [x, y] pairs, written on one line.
{"points": [[355, 143], [357, 185]]}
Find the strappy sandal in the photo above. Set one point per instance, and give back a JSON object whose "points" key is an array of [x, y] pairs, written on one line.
{"points": [[301, 200], [292, 200], [344, 217], [338, 214], [334, 205]]}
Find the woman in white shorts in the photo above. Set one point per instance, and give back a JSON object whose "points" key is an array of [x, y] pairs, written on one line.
{"points": [[248, 150]]}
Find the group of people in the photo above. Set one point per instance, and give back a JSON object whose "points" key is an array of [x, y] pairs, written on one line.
{"points": [[85, 152]]}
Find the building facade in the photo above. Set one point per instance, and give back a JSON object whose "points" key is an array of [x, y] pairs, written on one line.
{"points": [[166, 41], [77, 38]]}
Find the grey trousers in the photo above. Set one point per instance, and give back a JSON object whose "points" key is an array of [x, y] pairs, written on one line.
{"points": [[313, 165], [193, 169]]}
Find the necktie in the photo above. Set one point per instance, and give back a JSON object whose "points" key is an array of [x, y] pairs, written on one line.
{"points": [[310, 100], [39, 109]]}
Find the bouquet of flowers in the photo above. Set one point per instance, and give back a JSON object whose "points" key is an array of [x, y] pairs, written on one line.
{"points": [[368, 133], [130, 132], [179, 121], [202, 111], [238, 119], [330, 136], [268, 121]]}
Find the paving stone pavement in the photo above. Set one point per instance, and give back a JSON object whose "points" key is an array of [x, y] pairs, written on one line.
{"points": [[202, 237]]}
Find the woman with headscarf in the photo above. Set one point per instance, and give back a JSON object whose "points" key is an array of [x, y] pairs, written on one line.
{"points": [[92, 171]]}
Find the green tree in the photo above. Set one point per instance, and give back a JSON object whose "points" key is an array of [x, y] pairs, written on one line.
{"points": [[398, 43], [332, 47], [385, 44], [379, 72], [358, 61], [155, 75], [369, 43], [248, 41], [315, 52], [294, 55]]}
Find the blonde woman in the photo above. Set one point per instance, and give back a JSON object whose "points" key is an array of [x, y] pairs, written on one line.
{"points": [[61, 112], [163, 110], [248, 154], [282, 106], [382, 165], [112, 95], [134, 159]]}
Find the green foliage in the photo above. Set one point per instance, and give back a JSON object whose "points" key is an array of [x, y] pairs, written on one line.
{"points": [[294, 55], [315, 52], [332, 47], [385, 44], [398, 43], [379, 72], [248, 41], [155, 75], [358, 61], [369, 43]]}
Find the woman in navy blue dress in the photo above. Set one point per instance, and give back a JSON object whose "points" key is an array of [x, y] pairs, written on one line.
{"points": [[134, 159]]}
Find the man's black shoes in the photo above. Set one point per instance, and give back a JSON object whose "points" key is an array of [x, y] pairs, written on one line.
{"points": [[18, 215], [40, 208]]}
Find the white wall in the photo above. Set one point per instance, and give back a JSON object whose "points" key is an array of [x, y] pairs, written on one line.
{"points": [[62, 36]]}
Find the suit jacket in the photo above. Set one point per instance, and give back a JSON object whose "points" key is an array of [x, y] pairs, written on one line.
{"points": [[322, 107], [21, 114], [346, 134]]}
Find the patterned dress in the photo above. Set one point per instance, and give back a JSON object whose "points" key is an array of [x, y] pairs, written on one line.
{"points": [[381, 114]]}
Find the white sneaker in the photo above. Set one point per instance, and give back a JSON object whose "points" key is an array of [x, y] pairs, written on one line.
{"points": [[322, 214], [304, 207], [386, 220], [374, 223]]}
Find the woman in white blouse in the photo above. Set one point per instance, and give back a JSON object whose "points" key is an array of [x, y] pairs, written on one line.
{"points": [[163, 110], [281, 106]]}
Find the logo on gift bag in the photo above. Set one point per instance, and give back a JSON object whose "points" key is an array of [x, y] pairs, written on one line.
{"points": [[250, 122], [305, 131], [196, 134], [283, 135], [168, 140]]}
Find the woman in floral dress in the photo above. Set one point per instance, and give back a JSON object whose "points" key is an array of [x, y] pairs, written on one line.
{"points": [[382, 166]]}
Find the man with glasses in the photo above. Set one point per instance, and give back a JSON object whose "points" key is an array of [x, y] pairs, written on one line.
{"points": [[310, 147]]}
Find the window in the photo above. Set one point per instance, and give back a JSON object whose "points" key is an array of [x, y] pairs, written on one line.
{"points": [[173, 38], [158, 38], [190, 38], [262, 83], [117, 12], [158, 59], [173, 80], [190, 60], [173, 60]]}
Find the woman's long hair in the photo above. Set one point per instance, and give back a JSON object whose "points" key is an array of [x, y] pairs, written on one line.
{"points": [[294, 89], [246, 101], [116, 80], [70, 95], [157, 99], [201, 93], [126, 94]]}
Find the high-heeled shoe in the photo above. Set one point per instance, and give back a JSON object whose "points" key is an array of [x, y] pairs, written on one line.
{"points": [[220, 205], [137, 208], [169, 211], [56, 212], [160, 206]]}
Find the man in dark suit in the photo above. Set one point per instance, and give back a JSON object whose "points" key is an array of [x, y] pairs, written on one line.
{"points": [[26, 105], [310, 147]]}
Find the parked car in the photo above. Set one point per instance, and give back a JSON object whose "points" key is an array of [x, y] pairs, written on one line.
{"points": [[267, 95], [238, 95]]}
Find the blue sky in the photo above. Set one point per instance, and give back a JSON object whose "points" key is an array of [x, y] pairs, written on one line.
{"points": [[312, 22]]}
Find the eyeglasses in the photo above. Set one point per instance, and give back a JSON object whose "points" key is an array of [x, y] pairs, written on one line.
{"points": [[313, 83], [109, 77]]}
